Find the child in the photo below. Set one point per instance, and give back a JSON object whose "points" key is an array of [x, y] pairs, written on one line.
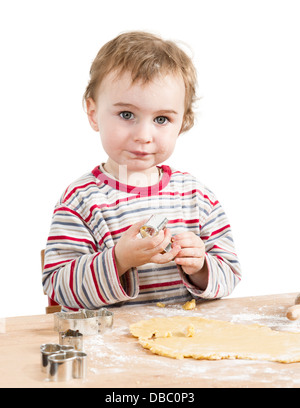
{"points": [[140, 99]]}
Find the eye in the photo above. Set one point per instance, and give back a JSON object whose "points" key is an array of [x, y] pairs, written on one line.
{"points": [[161, 120], [126, 115]]}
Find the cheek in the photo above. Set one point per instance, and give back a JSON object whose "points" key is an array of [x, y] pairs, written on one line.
{"points": [[109, 142], [110, 136], [167, 146]]}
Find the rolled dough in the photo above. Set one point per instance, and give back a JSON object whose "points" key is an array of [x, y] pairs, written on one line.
{"points": [[200, 338]]}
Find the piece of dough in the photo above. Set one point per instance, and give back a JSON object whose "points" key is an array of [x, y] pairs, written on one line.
{"points": [[190, 305], [201, 338]]}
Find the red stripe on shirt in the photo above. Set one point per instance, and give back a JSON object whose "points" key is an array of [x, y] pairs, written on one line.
{"points": [[195, 221], [77, 188], [222, 249], [66, 209], [52, 280], [204, 238], [117, 274], [56, 264], [220, 230], [95, 279], [97, 206]]}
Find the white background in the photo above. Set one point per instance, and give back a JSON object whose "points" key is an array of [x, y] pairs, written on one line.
{"points": [[244, 145]]}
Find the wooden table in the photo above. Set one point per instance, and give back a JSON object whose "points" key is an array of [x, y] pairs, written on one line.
{"points": [[115, 359]]}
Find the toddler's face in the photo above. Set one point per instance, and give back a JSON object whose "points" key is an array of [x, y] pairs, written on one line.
{"points": [[138, 123]]}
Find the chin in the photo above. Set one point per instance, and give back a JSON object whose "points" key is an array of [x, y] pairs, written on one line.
{"points": [[139, 165]]}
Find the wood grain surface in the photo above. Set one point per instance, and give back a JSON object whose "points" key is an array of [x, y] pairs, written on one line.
{"points": [[116, 360]]}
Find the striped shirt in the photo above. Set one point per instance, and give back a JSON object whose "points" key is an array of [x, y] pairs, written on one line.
{"points": [[80, 269]]}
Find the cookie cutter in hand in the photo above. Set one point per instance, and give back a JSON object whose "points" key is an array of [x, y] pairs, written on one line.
{"points": [[87, 322], [153, 226]]}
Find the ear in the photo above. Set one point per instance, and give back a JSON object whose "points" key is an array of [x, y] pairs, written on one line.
{"points": [[91, 110]]}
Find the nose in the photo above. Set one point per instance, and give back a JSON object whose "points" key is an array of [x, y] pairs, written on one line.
{"points": [[143, 133]]}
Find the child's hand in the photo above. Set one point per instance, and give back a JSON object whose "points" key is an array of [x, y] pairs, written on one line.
{"points": [[132, 250], [192, 254]]}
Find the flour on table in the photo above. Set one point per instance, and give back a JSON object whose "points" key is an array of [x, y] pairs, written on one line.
{"points": [[117, 351]]}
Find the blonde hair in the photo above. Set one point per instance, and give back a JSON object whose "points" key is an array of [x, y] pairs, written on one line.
{"points": [[146, 56]]}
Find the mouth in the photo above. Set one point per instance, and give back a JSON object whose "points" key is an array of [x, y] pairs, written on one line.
{"points": [[140, 154]]}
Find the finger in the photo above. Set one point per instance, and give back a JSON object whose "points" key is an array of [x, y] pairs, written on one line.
{"points": [[188, 261], [186, 234], [167, 257], [151, 243], [162, 239], [188, 241], [194, 264], [190, 253], [135, 228], [183, 235], [165, 242], [168, 235]]}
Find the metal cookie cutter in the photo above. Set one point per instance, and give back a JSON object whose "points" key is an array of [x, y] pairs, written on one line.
{"points": [[48, 350], [71, 338], [60, 367], [105, 319], [65, 367], [80, 365], [87, 322], [153, 226]]}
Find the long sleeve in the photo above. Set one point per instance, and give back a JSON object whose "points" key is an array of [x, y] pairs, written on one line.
{"points": [[91, 216], [77, 274], [223, 264]]}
